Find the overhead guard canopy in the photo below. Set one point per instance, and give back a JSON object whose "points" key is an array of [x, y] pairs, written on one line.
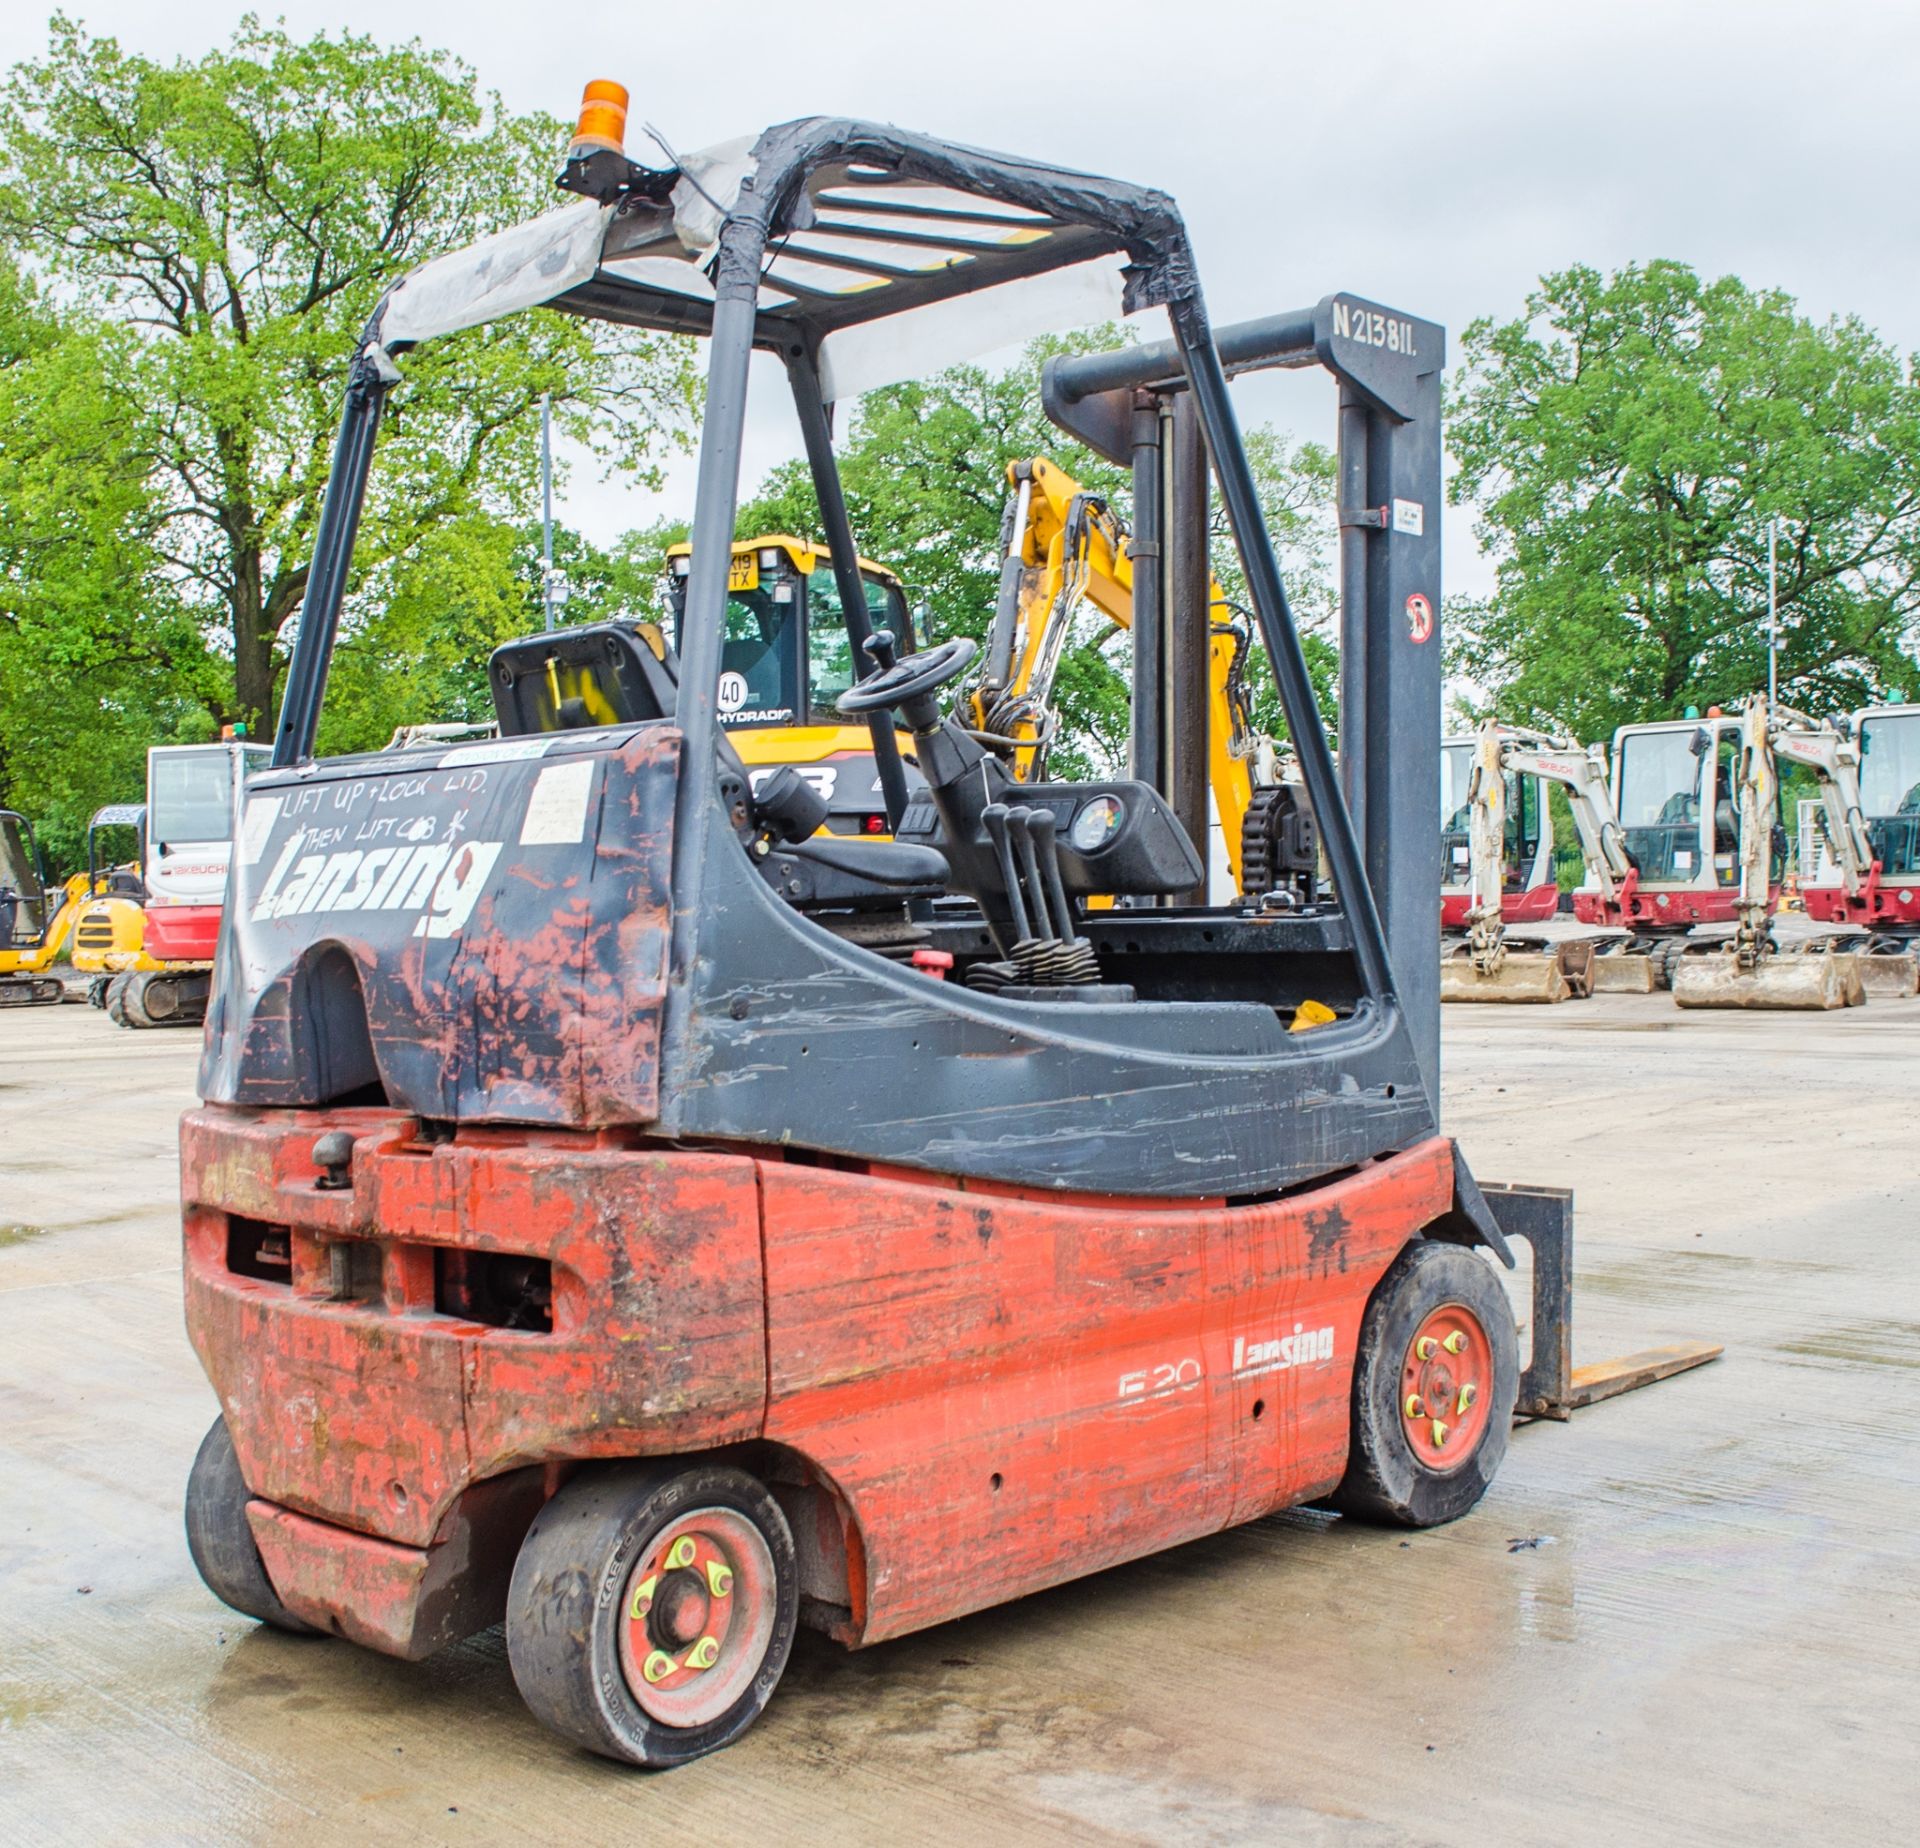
{"points": [[899, 256]]}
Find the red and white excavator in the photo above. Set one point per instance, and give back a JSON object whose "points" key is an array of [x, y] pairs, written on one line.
{"points": [[1864, 876], [1751, 969], [1488, 965]]}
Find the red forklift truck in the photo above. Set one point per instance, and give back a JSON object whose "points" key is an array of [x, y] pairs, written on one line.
{"points": [[605, 1216]]}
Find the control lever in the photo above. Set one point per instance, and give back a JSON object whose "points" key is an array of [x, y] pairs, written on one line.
{"points": [[1019, 825], [1043, 823], [994, 817], [880, 645]]}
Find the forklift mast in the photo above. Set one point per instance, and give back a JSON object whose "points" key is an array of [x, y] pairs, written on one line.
{"points": [[1136, 406]]}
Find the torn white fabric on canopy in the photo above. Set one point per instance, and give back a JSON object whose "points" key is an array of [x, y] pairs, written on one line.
{"points": [[514, 269]]}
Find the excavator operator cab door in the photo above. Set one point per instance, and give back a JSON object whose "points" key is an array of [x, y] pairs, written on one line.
{"points": [[1890, 785], [23, 884], [787, 656]]}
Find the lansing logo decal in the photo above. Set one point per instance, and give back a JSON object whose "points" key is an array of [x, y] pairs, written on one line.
{"points": [[444, 881], [1300, 1349]]}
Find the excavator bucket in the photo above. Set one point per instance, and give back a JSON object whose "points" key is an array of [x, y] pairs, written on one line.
{"points": [[1806, 983], [1553, 972], [1890, 978], [1525, 977], [1624, 973]]}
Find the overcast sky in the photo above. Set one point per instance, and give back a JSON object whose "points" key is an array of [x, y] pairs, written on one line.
{"points": [[1434, 157]]}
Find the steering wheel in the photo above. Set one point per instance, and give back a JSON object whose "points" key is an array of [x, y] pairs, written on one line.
{"points": [[917, 675]]}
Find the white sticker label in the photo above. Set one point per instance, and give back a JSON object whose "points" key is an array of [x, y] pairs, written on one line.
{"points": [[557, 809], [1409, 517], [508, 751], [262, 812], [1683, 856], [733, 692]]}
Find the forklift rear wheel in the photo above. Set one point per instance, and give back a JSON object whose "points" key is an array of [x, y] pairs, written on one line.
{"points": [[1433, 1389], [222, 1542], [652, 1610]]}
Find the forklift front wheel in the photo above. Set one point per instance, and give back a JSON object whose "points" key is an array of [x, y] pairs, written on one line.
{"points": [[222, 1542], [1433, 1389], [652, 1610]]}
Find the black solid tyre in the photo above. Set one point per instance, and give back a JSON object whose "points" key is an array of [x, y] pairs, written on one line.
{"points": [[1386, 1480], [222, 1543], [577, 1623]]}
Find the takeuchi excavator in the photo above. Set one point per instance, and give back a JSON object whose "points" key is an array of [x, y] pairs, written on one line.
{"points": [[1491, 966], [595, 1223], [167, 906], [1865, 877], [1753, 969]]}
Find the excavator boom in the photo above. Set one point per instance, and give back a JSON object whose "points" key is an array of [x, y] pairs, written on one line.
{"points": [[1064, 548]]}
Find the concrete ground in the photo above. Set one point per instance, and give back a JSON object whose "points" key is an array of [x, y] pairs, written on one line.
{"points": [[1707, 1635]]}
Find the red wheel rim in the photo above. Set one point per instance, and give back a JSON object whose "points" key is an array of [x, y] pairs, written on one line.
{"points": [[1446, 1388], [696, 1617]]}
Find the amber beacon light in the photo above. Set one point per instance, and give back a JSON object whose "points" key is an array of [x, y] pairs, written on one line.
{"points": [[603, 118]]}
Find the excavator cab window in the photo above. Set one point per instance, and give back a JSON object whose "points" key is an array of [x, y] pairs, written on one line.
{"points": [[1890, 790], [191, 793], [1662, 775], [1523, 829], [829, 650], [23, 882], [762, 661]]}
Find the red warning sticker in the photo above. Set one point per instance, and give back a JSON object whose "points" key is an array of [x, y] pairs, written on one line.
{"points": [[1419, 617]]}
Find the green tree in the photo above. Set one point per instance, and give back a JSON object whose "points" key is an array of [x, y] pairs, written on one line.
{"points": [[1627, 441], [228, 224], [94, 649]]}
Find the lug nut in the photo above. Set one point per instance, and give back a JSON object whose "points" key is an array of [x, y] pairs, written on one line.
{"points": [[658, 1666], [682, 1554], [1426, 1347], [704, 1653], [1454, 1342], [643, 1596], [719, 1578], [1414, 1408], [1439, 1435], [1466, 1399]]}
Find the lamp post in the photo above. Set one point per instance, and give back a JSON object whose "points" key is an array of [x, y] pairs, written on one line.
{"points": [[546, 503], [1773, 614]]}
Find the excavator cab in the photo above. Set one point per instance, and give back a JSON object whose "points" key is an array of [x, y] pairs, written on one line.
{"points": [[789, 654], [1529, 890], [1675, 788], [23, 883], [1890, 787], [621, 1210]]}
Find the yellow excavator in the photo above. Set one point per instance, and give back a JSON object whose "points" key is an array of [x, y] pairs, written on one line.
{"points": [[37, 920], [787, 657], [1064, 548]]}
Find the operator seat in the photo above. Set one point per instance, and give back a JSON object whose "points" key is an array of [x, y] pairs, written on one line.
{"points": [[609, 673]]}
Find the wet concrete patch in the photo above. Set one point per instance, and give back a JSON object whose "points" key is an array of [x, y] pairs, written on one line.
{"points": [[1863, 1344]]}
